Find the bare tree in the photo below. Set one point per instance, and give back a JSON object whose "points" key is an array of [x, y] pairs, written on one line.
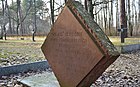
{"points": [[9, 16], [3, 30], [85, 3], [129, 17], [123, 17], [2, 27], [105, 19], [139, 15], [20, 17], [117, 16], [136, 17], [18, 22], [35, 26], [13, 21], [139, 11], [109, 18], [90, 7], [52, 10], [65, 1]]}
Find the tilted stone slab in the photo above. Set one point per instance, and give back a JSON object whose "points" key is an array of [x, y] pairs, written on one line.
{"points": [[77, 49]]}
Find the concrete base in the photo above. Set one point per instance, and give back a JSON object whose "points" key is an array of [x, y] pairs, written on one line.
{"points": [[4, 71], [46, 79], [128, 48]]}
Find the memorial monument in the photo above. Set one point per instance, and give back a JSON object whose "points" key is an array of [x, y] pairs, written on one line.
{"points": [[77, 49]]}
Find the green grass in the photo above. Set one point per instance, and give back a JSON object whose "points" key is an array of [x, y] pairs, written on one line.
{"points": [[3, 56], [21, 48], [20, 41], [114, 39], [31, 50], [128, 41], [27, 39]]}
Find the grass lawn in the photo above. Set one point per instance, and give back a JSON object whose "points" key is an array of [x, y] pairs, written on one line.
{"points": [[128, 41], [20, 51], [29, 51]]}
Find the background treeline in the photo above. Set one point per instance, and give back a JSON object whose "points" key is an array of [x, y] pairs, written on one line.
{"points": [[24, 17], [35, 17]]}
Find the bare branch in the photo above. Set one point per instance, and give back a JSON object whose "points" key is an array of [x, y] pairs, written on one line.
{"points": [[57, 3], [98, 3], [98, 11], [27, 13], [11, 17], [61, 6]]}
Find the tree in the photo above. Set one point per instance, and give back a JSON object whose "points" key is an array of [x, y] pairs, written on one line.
{"points": [[35, 26], [52, 10], [20, 16], [13, 21], [9, 16], [90, 7], [117, 16], [129, 17], [3, 30], [139, 11], [123, 17], [18, 21], [65, 1], [86, 6], [105, 18]]}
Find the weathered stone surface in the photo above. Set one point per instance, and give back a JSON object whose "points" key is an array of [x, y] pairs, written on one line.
{"points": [[46, 79], [77, 48]]}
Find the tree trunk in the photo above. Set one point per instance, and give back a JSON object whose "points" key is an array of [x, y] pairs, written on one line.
{"points": [[52, 10], [35, 26], [20, 17], [136, 21], [139, 12], [95, 15], [138, 16], [86, 6], [109, 19], [117, 17], [133, 22], [4, 28], [105, 19], [129, 17], [65, 1], [9, 17], [123, 17], [90, 8], [1, 35], [17, 28], [102, 18], [13, 23]]}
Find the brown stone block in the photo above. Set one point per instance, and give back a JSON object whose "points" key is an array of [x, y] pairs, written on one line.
{"points": [[77, 49]]}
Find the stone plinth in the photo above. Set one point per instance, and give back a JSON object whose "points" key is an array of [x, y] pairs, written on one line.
{"points": [[77, 49]]}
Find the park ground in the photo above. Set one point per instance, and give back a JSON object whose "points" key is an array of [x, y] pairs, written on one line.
{"points": [[124, 71]]}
